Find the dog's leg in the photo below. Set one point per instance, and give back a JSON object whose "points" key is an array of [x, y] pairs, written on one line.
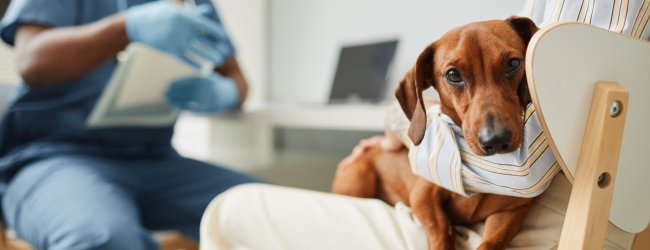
{"points": [[501, 227], [356, 177], [427, 202]]}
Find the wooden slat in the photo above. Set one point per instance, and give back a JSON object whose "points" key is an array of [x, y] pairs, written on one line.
{"points": [[588, 211]]}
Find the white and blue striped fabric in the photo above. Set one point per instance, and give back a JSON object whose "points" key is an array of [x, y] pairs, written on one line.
{"points": [[628, 17], [445, 158]]}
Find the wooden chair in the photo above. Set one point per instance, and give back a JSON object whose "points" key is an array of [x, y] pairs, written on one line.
{"points": [[591, 88]]}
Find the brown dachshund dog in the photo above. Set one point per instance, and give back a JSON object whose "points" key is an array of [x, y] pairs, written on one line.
{"points": [[478, 72]]}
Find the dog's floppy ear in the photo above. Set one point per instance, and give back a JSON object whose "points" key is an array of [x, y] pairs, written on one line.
{"points": [[409, 94], [524, 94], [525, 28]]}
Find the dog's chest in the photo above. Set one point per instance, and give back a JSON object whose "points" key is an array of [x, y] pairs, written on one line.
{"points": [[466, 210]]}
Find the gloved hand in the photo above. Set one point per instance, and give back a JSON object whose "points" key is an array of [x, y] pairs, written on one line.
{"points": [[178, 31], [204, 94]]}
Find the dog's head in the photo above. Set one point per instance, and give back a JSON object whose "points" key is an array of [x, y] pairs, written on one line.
{"points": [[478, 71]]}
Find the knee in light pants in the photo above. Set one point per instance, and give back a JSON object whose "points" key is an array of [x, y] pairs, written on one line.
{"points": [[234, 219], [260, 216], [215, 223]]}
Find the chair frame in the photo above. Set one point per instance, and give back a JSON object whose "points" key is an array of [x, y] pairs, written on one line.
{"points": [[595, 172], [591, 196]]}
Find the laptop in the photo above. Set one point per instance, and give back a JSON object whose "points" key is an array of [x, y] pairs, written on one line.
{"points": [[361, 73]]}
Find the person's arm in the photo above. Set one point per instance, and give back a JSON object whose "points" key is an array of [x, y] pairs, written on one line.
{"points": [[50, 56], [231, 69]]}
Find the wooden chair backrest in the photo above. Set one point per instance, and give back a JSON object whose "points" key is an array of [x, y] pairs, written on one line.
{"points": [[564, 62]]}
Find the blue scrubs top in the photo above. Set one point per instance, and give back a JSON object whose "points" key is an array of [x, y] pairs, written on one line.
{"points": [[45, 122]]}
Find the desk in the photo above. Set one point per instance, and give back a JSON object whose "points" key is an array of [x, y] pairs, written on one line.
{"points": [[246, 140], [359, 117]]}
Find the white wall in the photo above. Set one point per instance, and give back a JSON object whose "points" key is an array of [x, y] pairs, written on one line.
{"points": [[8, 75], [8, 72], [306, 35]]}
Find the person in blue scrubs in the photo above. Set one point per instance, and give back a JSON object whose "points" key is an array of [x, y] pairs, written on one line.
{"points": [[65, 186]]}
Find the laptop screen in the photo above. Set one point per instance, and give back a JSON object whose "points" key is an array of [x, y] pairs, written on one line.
{"points": [[361, 72]]}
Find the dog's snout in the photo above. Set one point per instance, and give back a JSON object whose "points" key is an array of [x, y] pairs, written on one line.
{"points": [[494, 137], [494, 141]]}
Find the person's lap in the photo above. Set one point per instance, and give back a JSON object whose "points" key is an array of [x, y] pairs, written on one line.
{"points": [[84, 202], [260, 216]]}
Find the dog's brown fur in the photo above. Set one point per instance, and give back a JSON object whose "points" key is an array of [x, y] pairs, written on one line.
{"points": [[479, 51]]}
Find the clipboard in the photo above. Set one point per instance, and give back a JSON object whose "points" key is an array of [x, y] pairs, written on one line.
{"points": [[135, 93]]}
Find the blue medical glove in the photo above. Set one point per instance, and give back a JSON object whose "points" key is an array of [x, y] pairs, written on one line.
{"points": [[204, 94], [178, 31]]}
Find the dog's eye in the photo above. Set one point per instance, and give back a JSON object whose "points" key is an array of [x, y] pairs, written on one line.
{"points": [[512, 65], [454, 77]]}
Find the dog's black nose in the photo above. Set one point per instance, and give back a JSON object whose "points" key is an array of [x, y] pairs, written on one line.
{"points": [[494, 139]]}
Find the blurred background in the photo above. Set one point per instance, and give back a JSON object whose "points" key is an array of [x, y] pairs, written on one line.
{"points": [[290, 50]]}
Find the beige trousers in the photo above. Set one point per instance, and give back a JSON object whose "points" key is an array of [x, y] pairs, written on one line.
{"points": [[259, 216]]}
